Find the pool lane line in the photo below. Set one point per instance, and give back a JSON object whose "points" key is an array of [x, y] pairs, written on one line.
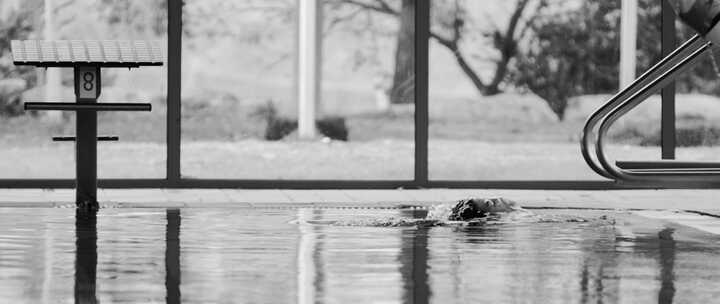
{"points": [[318, 205]]}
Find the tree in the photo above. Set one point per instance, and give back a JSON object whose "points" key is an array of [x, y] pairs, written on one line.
{"points": [[449, 30], [572, 52], [18, 24], [144, 17], [451, 18], [576, 52], [403, 85]]}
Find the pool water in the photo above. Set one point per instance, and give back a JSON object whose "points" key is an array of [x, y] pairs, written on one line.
{"points": [[312, 255]]}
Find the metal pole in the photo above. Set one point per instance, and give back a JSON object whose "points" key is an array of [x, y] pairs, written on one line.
{"points": [[87, 90], [628, 41], [667, 120], [422, 45], [174, 97], [309, 45]]}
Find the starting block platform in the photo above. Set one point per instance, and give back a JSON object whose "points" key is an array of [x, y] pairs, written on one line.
{"points": [[87, 58], [71, 53]]}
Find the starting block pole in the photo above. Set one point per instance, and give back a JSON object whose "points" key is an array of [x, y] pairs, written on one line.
{"points": [[86, 57], [87, 91]]}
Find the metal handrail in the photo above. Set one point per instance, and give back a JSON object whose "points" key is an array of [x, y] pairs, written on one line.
{"points": [[638, 97], [650, 75], [101, 106]]}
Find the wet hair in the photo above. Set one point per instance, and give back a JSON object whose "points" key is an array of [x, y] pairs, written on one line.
{"points": [[465, 210]]}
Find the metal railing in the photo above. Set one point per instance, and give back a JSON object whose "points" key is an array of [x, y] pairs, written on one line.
{"points": [[667, 171]]}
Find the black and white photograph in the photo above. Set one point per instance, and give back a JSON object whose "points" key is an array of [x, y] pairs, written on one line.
{"points": [[359, 151]]}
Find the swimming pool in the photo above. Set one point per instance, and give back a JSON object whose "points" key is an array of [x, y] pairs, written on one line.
{"points": [[304, 255]]}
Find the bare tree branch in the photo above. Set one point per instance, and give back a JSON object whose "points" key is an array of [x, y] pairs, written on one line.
{"points": [[380, 7], [505, 42], [339, 19]]}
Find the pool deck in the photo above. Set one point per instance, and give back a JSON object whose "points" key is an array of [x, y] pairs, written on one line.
{"points": [[707, 201]]}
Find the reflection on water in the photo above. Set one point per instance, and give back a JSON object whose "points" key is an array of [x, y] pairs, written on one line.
{"points": [[85, 256], [172, 256], [413, 259], [666, 259], [284, 256]]}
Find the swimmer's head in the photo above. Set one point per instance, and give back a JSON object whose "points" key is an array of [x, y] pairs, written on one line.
{"points": [[472, 208]]}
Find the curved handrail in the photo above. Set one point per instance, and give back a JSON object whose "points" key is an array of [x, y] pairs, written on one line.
{"points": [[650, 75], [638, 97]]}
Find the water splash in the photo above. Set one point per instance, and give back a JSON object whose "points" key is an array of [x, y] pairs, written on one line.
{"points": [[441, 214]]}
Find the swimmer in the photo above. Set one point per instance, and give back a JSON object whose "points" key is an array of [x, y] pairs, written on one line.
{"points": [[474, 208]]}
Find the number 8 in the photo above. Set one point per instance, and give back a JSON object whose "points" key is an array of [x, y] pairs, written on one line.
{"points": [[88, 77]]}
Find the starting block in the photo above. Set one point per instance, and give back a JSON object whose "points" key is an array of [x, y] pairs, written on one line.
{"points": [[87, 58]]}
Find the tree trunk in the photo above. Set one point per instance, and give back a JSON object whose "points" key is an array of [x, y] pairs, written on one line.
{"points": [[403, 86], [53, 80]]}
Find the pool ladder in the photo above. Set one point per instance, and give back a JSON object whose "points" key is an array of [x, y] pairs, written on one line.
{"points": [[660, 75]]}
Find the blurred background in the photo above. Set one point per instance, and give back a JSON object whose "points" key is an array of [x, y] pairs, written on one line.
{"points": [[511, 83]]}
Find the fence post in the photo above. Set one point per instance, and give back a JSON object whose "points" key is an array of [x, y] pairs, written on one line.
{"points": [[309, 67], [628, 41], [668, 93], [422, 83]]}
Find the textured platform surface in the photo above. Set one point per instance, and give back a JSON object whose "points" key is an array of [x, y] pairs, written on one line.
{"points": [[105, 53]]}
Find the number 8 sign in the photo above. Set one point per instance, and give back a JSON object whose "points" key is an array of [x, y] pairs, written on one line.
{"points": [[87, 82]]}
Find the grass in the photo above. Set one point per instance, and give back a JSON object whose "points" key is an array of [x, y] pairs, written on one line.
{"points": [[509, 136], [379, 159]]}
